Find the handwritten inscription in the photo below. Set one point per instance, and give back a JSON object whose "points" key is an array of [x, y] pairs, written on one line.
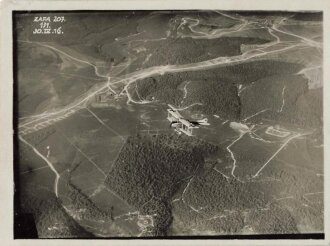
{"points": [[48, 25]]}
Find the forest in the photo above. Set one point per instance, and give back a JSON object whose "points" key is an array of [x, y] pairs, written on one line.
{"points": [[151, 168], [52, 221], [188, 50]]}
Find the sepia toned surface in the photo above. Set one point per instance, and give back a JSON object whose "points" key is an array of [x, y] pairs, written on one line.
{"points": [[99, 156]]}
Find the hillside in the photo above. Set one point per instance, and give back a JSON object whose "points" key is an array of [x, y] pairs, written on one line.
{"points": [[150, 169]]}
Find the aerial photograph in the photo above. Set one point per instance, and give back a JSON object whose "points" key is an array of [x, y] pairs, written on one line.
{"points": [[168, 124]]}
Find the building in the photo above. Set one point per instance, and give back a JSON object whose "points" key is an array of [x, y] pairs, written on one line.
{"points": [[102, 99], [145, 221], [277, 131]]}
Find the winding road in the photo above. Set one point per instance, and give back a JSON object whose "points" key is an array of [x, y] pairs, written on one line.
{"points": [[120, 87], [37, 122]]}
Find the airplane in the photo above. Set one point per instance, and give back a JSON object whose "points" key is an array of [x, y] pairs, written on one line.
{"points": [[180, 124]]}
